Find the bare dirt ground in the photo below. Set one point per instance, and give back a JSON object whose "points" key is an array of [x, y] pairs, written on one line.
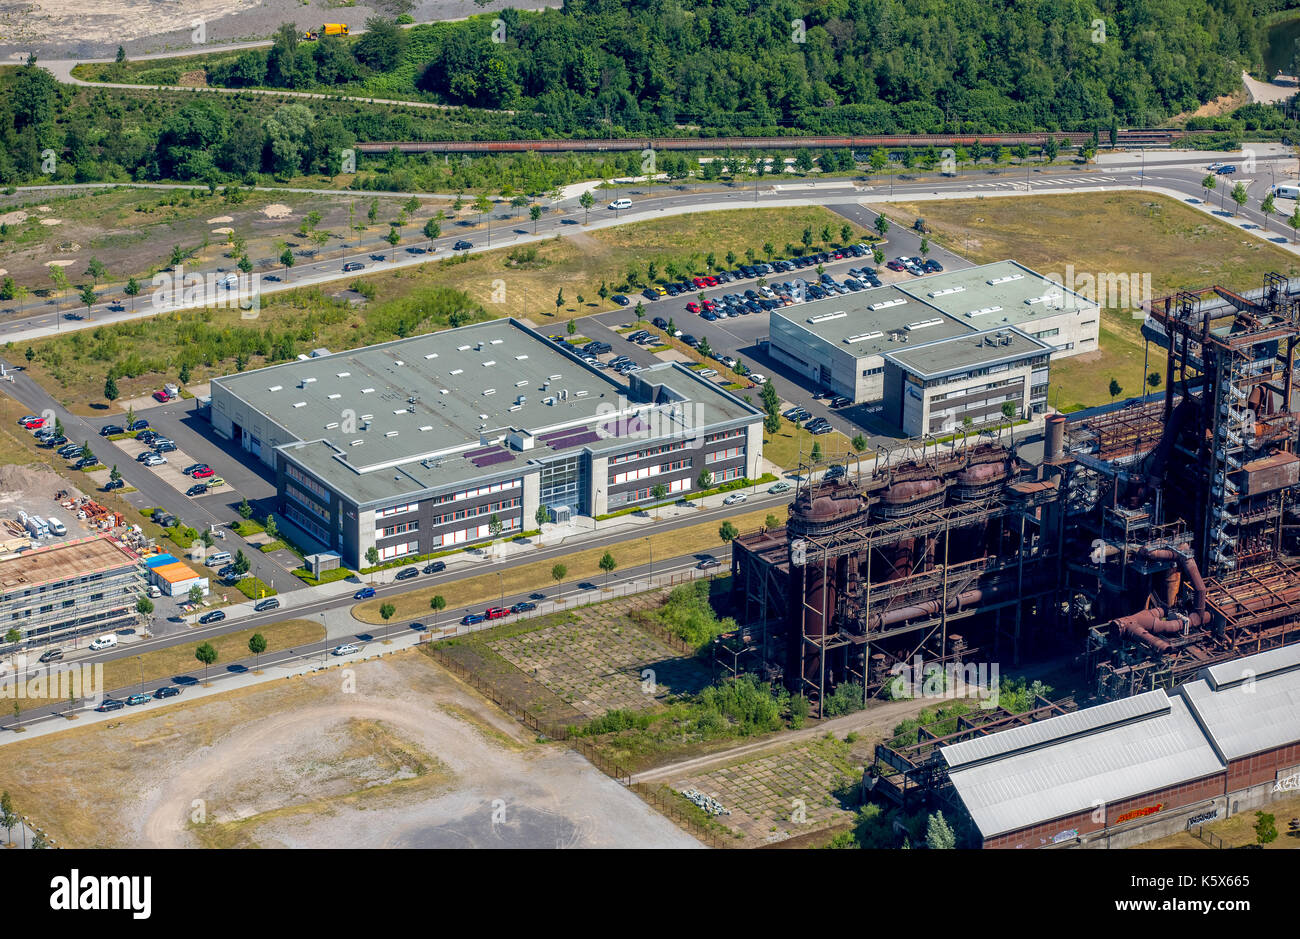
{"points": [[409, 758], [95, 28]]}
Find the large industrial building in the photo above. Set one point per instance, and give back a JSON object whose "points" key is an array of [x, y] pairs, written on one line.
{"points": [[70, 589], [1123, 772], [1152, 539], [842, 344], [419, 444]]}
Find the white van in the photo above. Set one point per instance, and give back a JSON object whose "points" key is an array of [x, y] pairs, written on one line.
{"points": [[106, 641], [56, 527], [1289, 190], [216, 560], [621, 204]]}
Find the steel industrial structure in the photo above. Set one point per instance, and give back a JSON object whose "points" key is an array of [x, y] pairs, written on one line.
{"points": [[1156, 535]]}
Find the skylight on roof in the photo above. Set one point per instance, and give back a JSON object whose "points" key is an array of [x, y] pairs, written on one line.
{"points": [[1005, 280], [897, 301]]}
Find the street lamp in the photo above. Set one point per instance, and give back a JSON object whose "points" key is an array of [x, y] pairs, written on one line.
{"points": [[650, 576], [501, 586]]}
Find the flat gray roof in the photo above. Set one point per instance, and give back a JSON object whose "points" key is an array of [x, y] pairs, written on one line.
{"points": [[973, 350], [1251, 704], [1064, 765], [862, 323], [420, 413], [1003, 293]]}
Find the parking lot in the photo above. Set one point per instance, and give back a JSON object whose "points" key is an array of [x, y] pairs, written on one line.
{"points": [[744, 336]]}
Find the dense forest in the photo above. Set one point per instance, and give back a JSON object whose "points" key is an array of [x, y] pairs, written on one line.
{"points": [[606, 68], [649, 66]]}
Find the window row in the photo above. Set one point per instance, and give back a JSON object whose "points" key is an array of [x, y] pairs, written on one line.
{"points": [[650, 451], [478, 491], [729, 454], [485, 509]]}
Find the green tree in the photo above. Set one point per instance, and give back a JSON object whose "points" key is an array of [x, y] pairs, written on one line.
{"points": [[542, 515], [1265, 828], [1154, 379], [242, 564], [245, 510], [177, 256], [86, 452], [559, 300], [1115, 389], [257, 645], [96, 270], [816, 454], [286, 259], [437, 603], [771, 423], [386, 610], [132, 290], [771, 521], [432, 229], [607, 564], [8, 817], [1239, 196], [728, 532], [1268, 208], [704, 480], [1008, 409], [196, 594], [846, 232], [393, 236], [207, 654], [534, 213], [1293, 221], [586, 200], [272, 530], [572, 327], [882, 225], [245, 265], [372, 556], [372, 212], [495, 526], [88, 297], [938, 833], [558, 573], [1209, 184], [110, 387]]}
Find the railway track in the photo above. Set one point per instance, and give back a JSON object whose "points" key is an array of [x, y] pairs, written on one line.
{"points": [[1134, 137]]}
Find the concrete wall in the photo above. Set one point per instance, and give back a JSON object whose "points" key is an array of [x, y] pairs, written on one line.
{"points": [[753, 451]]}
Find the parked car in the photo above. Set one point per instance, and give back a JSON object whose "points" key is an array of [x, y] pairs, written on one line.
{"points": [[197, 490], [707, 564], [523, 606], [140, 457], [758, 378], [165, 519], [153, 459], [192, 467], [51, 655], [472, 619], [839, 401], [114, 484], [353, 266], [462, 246], [139, 699], [55, 441], [407, 573], [931, 266], [110, 704], [33, 423], [735, 498], [163, 445], [167, 691], [216, 616], [85, 462], [109, 430], [1226, 169], [620, 299], [836, 472], [346, 649], [780, 487], [138, 424], [204, 472], [270, 603], [161, 396], [495, 612], [619, 204], [216, 481], [365, 593]]}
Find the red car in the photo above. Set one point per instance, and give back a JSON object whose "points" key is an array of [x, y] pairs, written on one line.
{"points": [[204, 472], [895, 265], [161, 396], [496, 612], [34, 423], [711, 281], [699, 282]]}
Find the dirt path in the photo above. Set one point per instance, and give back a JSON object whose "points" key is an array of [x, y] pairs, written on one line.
{"points": [[880, 719]]}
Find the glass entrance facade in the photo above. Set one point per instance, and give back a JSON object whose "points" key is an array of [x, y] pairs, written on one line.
{"points": [[564, 484]]}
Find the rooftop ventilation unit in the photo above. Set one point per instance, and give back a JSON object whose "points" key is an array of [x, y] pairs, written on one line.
{"points": [[520, 358], [520, 384], [431, 355], [489, 391], [478, 346], [366, 391], [946, 291], [457, 371], [497, 342], [426, 427], [304, 382], [391, 433], [554, 377], [983, 310], [489, 362], [343, 375], [549, 400], [1045, 298], [925, 324], [356, 443], [885, 304], [1005, 340], [444, 391], [580, 394], [827, 317], [300, 404], [515, 407], [462, 348], [333, 396], [332, 426], [398, 362], [863, 337], [276, 388], [1005, 280], [521, 399]]}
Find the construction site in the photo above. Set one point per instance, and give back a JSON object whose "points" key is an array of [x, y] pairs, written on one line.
{"points": [[1145, 540]]}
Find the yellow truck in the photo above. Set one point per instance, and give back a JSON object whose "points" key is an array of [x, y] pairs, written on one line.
{"points": [[329, 29]]}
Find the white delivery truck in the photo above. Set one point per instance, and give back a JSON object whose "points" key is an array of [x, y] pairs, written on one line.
{"points": [[1287, 190]]}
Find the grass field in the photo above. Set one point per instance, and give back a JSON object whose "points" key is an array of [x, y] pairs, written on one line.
{"points": [[145, 352], [484, 588], [791, 443], [1102, 233], [1239, 830], [163, 664]]}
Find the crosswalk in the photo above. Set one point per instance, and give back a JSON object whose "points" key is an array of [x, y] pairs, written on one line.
{"points": [[1045, 181]]}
